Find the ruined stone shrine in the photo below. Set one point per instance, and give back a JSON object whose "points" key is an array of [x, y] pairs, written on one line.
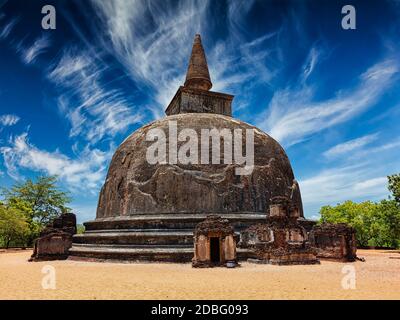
{"points": [[149, 211], [214, 243], [280, 240], [334, 242], [56, 239]]}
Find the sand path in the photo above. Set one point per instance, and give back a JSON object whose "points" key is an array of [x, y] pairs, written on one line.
{"points": [[377, 278]]}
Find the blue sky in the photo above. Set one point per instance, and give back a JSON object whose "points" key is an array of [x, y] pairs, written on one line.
{"points": [[70, 96]]}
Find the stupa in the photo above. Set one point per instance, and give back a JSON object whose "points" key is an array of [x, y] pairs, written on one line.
{"points": [[149, 211]]}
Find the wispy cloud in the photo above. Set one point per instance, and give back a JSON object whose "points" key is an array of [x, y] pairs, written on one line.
{"points": [[357, 173], [9, 119], [374, 185], [335, 185], [293, 115], [38, 47], [86, 172], [351, 145], [85, 212], [6, 30], [151, 38], [381, 148], [311, 63], [153, 42], [93, 110]]}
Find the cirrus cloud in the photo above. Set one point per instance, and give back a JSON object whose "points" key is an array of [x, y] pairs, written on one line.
{"points": [[293, 116], [86, 172], [8, 120]]}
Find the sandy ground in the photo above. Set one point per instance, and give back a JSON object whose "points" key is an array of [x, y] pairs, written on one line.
{"points": [[377, 278]]}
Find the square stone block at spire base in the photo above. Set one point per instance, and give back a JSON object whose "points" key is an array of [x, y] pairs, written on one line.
{"points": [[191, 100]]}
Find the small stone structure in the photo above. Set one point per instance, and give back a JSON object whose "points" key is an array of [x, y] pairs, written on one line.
{"points": [[214, 243], [281, 240], [334, 242], [56, 239]]}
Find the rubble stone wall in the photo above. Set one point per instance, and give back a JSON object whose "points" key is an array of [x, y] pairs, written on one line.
{"points": [[334, 242], [56, 239]]}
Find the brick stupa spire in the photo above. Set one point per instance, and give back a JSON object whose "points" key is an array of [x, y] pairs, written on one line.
{"points": [[198, 76], [195, 95]]}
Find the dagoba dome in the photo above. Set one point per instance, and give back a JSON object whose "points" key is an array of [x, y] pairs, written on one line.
{"points": [[133, 186]]}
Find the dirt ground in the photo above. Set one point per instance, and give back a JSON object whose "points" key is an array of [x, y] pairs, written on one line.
{"points": [[377, 278]]}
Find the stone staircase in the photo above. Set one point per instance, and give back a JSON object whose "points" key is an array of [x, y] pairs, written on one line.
{"points": [[165, 238]]}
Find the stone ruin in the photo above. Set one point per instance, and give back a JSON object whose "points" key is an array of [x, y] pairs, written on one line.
{"points": [[148, 212], [334, 242], [56, 239], [281, 239], [214, 243]]}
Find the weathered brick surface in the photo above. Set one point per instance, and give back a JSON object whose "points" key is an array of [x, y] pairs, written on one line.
{"points": [[133, 186], [189, 100], [56, 239], [280, 239], [334, 241], [197, 75]]}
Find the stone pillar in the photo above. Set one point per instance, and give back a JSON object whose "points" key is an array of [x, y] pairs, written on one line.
{"points": [[202, 254], [230, 248]]}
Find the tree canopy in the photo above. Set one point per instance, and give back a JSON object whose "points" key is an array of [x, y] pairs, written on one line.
{"points": [[394, 186], [41, 199], [376, 223], [13, 225], [36, 202]]}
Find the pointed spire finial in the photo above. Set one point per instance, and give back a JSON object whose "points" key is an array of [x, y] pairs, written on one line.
{"points": [[198, 76]]}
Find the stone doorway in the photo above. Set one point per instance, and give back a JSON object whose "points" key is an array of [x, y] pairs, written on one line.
{"points": [[214, 243], [215, 254]]}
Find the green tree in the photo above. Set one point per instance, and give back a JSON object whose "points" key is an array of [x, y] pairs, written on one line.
{"points": [[14, 227], [357, 215], [394, 186], [376, 224], [80, 229], [385, 228], [41, 201]]}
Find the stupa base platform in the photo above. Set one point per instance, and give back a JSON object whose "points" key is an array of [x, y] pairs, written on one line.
{"points": [[101, 253], [149, 238]]}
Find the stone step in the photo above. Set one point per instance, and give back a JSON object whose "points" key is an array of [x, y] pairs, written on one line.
{"points": [[137, 230], [174, 254], [171, 221], [159, 237], [145, 254], [137, 237], [135, 246]]}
